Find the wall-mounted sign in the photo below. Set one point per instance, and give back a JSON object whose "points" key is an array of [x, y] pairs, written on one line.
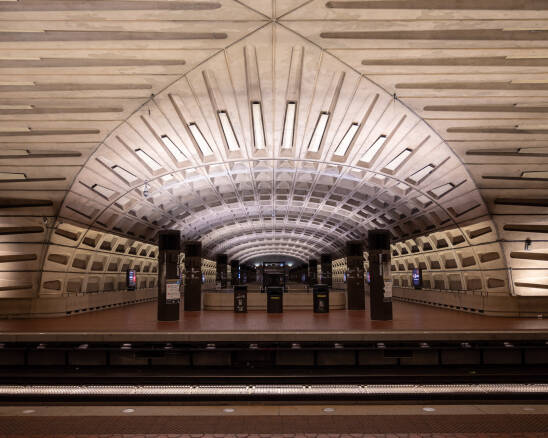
{"points": [[416, 276], [172, 291], [131, 279]]}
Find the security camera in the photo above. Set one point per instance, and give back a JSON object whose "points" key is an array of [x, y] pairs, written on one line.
{"points": [[527, 244]]}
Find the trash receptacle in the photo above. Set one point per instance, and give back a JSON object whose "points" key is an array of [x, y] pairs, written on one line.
{"points": [[321, 298], [275, 299], [240, 299]]}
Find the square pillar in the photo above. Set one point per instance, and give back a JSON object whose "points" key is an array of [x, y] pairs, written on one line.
{"points": [[327, 270], [355, 287], [312, 272], [169, 248], [234, 272], [379, 271], [193, 276], [222, 261]]}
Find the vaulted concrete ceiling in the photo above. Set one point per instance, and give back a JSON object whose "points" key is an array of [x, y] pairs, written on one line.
{"points": [[408, 115]]}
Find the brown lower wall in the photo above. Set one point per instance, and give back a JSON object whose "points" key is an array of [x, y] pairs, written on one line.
{"points": [[486, 304]]}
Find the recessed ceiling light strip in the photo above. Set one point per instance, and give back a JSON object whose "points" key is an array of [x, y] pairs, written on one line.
{"points": [[200, 139], [150, 162], [347, 140], [398, 160], [319, 131], [289, 125], [228, 131], [419, 175], [373, 149], [258, 126], [173, 148]]}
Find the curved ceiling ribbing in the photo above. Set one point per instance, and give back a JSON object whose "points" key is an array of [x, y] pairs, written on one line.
{"points": [[265, 182], [474, 70]]}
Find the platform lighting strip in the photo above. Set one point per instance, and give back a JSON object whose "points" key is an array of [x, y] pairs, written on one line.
{"points": [[313, 390]]}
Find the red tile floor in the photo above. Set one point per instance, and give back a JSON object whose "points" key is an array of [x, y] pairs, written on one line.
{"points": [[142, 318], [461, 426]]}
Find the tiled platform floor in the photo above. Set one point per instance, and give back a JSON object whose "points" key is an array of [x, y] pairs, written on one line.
{"points": [[142, 318]]}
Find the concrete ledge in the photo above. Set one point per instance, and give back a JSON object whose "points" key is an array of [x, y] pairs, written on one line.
{"points": [[486, 304], [257, 301], [58, 306]]}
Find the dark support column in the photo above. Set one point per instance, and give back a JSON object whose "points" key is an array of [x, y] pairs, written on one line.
{"points": [[234, 270], [306, 275], [379, 271], [312, 272], [169, 247], [222, 261], [193, 276], [327, 270], [355, 289]]}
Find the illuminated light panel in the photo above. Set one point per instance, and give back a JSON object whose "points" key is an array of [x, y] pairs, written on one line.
{"points": [[148, 160], [173, 148], [419, 175], [319, 131], [228, 132], [442, 190], [373, 149], [347, 140], [289, 125], [258, 128], [7, 176], [103, 191], [126, 175], [200, 140], [398, 161]]}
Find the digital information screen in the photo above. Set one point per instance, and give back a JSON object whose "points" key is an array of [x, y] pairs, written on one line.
{"points": [[344, 277], [368, 277], [131, 279], [416, 276]]}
